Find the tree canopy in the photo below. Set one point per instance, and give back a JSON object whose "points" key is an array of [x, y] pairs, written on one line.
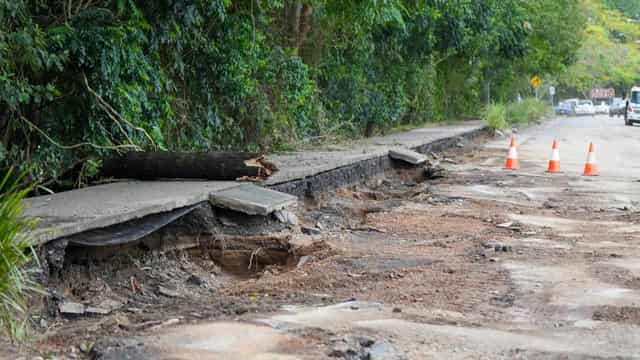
{"points": [[609, 55]]}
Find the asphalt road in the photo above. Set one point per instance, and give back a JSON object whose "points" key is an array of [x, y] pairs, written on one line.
{"points": [[617, 145]]}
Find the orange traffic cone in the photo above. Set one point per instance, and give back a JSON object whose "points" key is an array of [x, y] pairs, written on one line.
{"points": [[512, 159], [554, 162], [591, 167]]}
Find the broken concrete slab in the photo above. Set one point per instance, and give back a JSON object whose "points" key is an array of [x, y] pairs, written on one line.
{"points": [[303, 165], [72, 212], [407, 155], [71, 309], [252, 199]]}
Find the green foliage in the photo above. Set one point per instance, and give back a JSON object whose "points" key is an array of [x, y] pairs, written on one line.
{"points": [[80, 80], [501, 116], [631, 8], [609, 55], [15, 253], [496, 116], [527, 111]]}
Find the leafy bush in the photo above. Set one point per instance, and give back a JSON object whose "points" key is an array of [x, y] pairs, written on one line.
{"points": [[15, 253], [499, 116], [496, 116], [526, 111]]}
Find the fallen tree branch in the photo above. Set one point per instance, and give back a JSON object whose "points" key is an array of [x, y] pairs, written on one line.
{"points": [[171, 165]]}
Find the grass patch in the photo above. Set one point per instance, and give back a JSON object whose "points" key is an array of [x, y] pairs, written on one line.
{"points": [[501, 116], [496, 116], [527, 111], [15, 253]]}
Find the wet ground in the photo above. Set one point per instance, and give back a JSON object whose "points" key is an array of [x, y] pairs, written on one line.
{"points": [[480, 264]]}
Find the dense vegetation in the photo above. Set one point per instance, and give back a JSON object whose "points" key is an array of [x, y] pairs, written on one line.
{"points": [[80, 79], [609, 55], [630, 8], [15, 253], [501, 116]]}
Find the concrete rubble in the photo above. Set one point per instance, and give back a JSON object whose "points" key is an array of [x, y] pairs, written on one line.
{"points": [[409, 156]]}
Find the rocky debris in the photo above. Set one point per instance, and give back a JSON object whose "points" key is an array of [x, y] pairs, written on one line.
{"points": [[359, 347], [550, 204], [121, 348], [433, 170], [286, 217], [310, 230], [92, 310], [510, 225], [409, 156], [169, 322], [497, 246], [71, 309], [384, 351], [367, 229], [167, 292], [195, 280], [86, 347], [304, 260]]}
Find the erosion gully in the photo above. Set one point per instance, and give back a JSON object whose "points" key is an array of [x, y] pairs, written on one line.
{"points": [[473, 264]]}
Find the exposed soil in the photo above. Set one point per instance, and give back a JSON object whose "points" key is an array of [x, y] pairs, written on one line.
{"points": [[475, 263], [623, 314]]}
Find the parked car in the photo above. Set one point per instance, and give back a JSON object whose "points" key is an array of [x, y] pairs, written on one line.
{"points": [[585, 107], [618, 107], [565, 108], [632, 113], [602, 108]]}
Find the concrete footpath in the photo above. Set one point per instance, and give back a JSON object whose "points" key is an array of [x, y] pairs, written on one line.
{"points": [[68, 213]]}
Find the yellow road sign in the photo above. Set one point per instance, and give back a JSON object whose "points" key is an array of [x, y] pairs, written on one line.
{"points": [[536, 81]]}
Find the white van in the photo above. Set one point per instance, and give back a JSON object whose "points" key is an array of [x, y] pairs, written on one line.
{"points": [[632, 114]]}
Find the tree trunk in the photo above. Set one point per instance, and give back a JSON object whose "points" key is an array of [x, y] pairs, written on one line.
{"points": [[209, 166], [369, 127], [304, 25]]}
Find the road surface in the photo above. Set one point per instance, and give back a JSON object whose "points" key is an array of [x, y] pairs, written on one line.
{"points": [[482, 264]]}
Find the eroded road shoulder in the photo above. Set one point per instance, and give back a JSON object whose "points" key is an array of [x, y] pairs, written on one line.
{"points": [[476, 264]]}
